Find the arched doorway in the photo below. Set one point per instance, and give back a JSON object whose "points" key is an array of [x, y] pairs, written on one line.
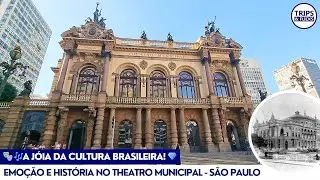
{"points": [[125, 134], [31, 129], [193, 136], [233, 136], [160, 134], [286, 145], [77, 135]]}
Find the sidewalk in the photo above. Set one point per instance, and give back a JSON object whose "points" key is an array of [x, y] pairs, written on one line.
{"points": [[290, 162]]}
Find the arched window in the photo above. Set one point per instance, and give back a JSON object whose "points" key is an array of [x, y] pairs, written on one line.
{"points": [[221, 85], [77, 135], [88, 81], [186, 86], [1, 125], [158, 84], [128, 83], [125, 134]]}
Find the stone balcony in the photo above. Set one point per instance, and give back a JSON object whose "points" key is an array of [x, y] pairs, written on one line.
{"points": [[5, 105]]}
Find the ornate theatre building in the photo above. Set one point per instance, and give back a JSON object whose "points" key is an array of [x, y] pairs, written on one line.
{"points": [[112, 92], [295, 132]]}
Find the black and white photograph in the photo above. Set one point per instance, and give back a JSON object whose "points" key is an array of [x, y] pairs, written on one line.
{"points": [[285, 131]]}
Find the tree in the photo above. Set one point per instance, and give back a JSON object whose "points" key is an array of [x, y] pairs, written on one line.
{"points": [[258, 141], [9, 93]]}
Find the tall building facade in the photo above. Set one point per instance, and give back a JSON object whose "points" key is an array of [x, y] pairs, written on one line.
{"points": [[308, 69], [21, 24], [253, 79], [112, 92]]}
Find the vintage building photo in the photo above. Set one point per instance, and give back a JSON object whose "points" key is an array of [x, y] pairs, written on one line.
{"points": [[285, 131]]}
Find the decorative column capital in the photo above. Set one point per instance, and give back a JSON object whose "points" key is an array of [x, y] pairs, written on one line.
{"points": [[68, 46], [92, 112], [106, 54], [148, 109], [139, 109], [206, 60], [61, 110]]}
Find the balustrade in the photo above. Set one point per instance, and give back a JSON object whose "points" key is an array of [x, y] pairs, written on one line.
{"points": [[232, 100], [4, 105], [39, 102], [76, 97], [155, 43], [155, 100]]}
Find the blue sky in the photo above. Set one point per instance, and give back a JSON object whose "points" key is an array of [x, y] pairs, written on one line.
{"points": [[263, 28]]}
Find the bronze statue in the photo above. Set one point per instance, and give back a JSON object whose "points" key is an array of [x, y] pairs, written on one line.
{"points": [[144, 35], [169, 38], [27, 89], [97, 14], [263, 95], [210, 27], [102, 23]]}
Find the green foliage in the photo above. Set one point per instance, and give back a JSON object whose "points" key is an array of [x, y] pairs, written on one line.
{"points": [[9, 93], [258, 141]]}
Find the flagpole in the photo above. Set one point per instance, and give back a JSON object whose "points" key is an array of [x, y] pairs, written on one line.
{"points": [[112, 140]]}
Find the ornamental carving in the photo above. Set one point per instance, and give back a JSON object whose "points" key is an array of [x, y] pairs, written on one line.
{"points": [[172, 66], [90, 30], [67, 44], [143, 64]]}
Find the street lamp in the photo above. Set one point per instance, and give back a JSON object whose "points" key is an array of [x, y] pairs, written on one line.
{"points": [[9, 69], [298, 78]]}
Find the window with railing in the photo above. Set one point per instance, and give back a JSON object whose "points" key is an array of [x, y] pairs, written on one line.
{"points": [[128, 83], [158, 84], [88, 81], [186, 86], [220, 85]]}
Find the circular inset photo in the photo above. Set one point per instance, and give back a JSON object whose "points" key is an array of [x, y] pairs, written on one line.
{"points": [[284, 131]]}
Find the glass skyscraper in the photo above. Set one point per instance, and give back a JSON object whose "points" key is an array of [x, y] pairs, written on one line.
{"points": [[21, 24]]}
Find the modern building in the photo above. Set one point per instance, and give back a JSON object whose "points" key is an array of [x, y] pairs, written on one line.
{"points": [[253, 79], [295, 132], [307, 68], [21, 24], [112, 92]]}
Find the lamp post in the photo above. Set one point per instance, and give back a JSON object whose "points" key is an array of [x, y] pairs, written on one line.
{"points": [[11, 67], [298, 78]]}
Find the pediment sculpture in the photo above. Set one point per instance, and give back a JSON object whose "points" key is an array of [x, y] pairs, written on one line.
{"points": [[94, 28]]}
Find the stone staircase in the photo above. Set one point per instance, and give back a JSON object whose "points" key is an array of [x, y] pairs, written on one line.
{"points": [[227, 158]]}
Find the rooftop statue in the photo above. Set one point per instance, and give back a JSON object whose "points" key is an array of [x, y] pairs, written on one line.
{"points": [[210, 27], [97, 14], [169, 38], [144, 35], [263, 95], [27, 89]]}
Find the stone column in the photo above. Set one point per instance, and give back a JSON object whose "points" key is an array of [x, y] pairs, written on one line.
{"points": [[205, 61], [148, 86], [207, 132], [174, 132], [243, 134], [236, 85], [98, 129], [89, 126], [48, 134], [110, 138], [183, 132], [138, 87], [216, 126], [138, 135], [106, 58], [243, 87], [224, 145], [63, 72], [117, 84], [149, 130], [62, 125]]}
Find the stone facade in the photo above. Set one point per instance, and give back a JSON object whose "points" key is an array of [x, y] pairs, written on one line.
{"points": [[295, 132], [113, 92]]}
